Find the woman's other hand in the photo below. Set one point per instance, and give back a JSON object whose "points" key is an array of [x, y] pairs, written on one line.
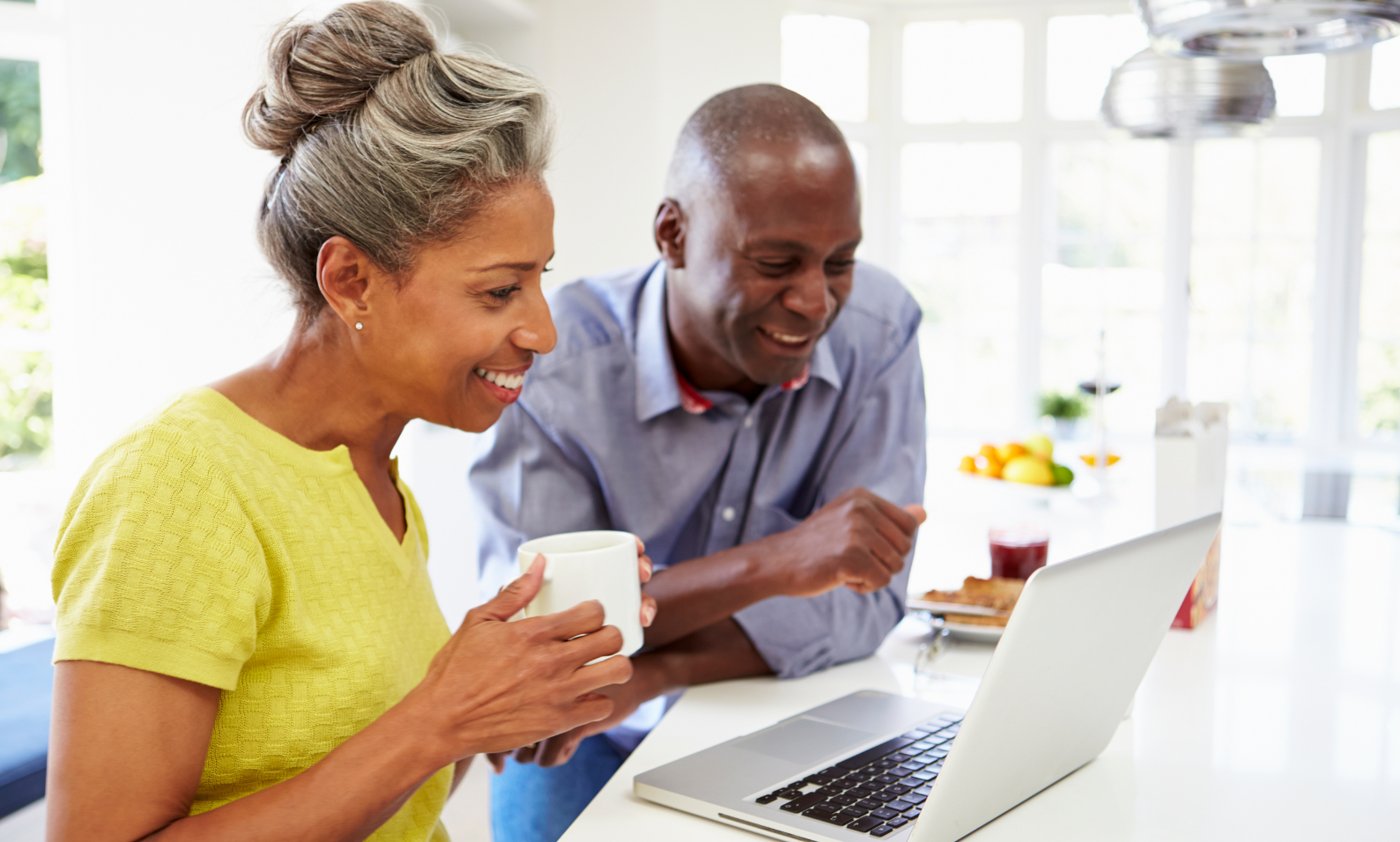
{"points": [[644, 571], [498, 685]]}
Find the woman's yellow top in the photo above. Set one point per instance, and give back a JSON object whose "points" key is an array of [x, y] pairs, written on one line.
{"points": [[205, 546]]}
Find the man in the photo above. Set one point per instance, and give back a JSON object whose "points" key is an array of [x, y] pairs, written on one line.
{"points": [[751, 405]]}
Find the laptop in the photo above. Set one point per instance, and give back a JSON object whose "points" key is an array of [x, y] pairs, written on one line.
{"points": [[872, 764]]}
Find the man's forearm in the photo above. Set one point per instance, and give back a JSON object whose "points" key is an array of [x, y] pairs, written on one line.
{"points": [[693, 596], [715, 653]]}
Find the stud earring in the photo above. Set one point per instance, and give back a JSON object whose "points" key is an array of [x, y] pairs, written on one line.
{"points": [[359, 325]]}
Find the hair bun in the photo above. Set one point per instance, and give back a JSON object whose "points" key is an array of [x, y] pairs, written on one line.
{"points": [[322, 68]]}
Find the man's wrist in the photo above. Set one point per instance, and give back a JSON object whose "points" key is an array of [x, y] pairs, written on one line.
{"points": [[655, 674], [766, 568]]}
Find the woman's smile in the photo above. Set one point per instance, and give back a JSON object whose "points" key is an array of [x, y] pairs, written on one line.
{"points": [[503, 385]]}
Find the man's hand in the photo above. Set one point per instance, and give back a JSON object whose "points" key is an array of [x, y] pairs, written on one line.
{"points": [[859, 541], [646, 683]]}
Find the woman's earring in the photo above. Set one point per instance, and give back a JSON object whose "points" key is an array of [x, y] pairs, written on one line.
{"points": [[359, 325]]}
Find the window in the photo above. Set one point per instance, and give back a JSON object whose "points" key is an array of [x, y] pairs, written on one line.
{"points": [[30, 494], [1299, 83], [1081, 52], [1378, 363], [959, 204], [958, 71], [1104, 273], [827, 59], [1385, 75], [1025, 229], [26, 393], [1253, 264]]}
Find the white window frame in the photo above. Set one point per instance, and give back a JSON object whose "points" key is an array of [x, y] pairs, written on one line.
{"points": [[1343, 129]]}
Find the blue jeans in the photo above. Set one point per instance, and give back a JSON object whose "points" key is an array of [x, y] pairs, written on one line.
{"points": [[530, 804]]}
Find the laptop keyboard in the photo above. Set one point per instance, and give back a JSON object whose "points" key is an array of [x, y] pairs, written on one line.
{"points": [[878, 790]]}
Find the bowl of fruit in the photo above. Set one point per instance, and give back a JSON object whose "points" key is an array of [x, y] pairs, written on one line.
{"points": [[1029, 462]]}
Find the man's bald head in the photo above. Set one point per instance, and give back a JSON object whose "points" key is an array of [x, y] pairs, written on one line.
{"points": [[716, 146], [759, 230]]}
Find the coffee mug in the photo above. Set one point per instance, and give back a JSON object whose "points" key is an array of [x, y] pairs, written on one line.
{"points": [[580, 566]]}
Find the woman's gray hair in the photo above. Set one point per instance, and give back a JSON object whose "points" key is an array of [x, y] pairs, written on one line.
{"points": [[384, 140]]}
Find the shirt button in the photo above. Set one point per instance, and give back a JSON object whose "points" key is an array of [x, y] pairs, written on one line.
{"points": [[728, 514], [748, 421]]}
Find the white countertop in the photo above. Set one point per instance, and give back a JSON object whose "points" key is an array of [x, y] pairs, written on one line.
{"points": [[1278, 719]]}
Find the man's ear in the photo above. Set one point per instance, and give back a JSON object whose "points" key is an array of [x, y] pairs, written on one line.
{"points": [[343, 274], [669, 231]]}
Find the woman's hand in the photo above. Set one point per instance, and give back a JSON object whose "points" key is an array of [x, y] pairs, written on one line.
{"points": [[498, 685], [644, 571], [526, 752]]}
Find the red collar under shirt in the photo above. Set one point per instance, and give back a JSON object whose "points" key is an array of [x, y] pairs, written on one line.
{"points": [[697, 404]]}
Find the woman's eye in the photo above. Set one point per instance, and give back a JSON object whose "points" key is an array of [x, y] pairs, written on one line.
{"points": [[504, 293]]}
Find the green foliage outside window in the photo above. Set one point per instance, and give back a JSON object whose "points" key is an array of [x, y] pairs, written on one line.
{"points": [[1380, 406], [24, 289], [26, 407], [26, 371], [19, 119]]}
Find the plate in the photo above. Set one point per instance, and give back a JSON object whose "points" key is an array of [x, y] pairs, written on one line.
{"points": [[961, 631]]}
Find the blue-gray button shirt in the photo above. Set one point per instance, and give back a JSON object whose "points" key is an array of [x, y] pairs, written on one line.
{"points": [[600, 440]]}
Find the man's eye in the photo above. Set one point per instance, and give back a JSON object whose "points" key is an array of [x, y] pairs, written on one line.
{"points": [[776, 265], [840, 265], [504, 293]]}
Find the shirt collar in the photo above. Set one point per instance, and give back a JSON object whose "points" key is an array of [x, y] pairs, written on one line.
{"points": [[660, 386]]}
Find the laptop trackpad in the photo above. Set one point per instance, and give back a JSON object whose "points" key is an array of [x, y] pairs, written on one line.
{"points": [[804, 741]]}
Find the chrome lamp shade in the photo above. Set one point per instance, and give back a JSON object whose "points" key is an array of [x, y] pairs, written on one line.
{"points": [[1156, 96], [1249, 30]]}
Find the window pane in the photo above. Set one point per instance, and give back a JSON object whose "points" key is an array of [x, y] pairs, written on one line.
{"points": [[958, 254], [1385, 74], [958, 71], [26, 399], [1378, 364], [1082, 51], [827, 59], [19, 110], [1106, 273], [1252, 275], [1299, 83]]}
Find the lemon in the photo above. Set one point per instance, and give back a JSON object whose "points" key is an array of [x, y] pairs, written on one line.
{"points": [[1039, 446], [1007, 452], [1030, 470]]}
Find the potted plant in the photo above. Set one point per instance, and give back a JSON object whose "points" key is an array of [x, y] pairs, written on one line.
{"points": [[1065, 410]]}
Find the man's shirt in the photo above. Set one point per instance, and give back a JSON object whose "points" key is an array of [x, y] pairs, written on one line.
{"points": [[606, 435]]}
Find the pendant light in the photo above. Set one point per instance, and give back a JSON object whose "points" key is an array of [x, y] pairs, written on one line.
{"points": [[1250, 30], [1156, 96]]}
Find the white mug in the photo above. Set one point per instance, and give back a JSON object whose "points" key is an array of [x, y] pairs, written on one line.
{"points": [[580, 566]]}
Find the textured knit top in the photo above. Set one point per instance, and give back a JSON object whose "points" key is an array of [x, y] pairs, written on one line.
{"points": [[205, 546]]}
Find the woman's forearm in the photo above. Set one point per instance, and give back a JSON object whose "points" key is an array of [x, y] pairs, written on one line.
{"points": [[344, 797]]}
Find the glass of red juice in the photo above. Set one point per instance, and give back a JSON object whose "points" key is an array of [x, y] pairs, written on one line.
{"points": [[1018, 551]]}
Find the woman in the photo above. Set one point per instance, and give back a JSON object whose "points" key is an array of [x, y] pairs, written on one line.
{"points": [[249, 647]]}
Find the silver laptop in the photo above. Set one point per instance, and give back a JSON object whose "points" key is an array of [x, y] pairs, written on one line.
{"points": [[877, 765]]}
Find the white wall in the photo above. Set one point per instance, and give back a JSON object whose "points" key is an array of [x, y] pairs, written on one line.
{"points": [[626, 74], [158, 282]]}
